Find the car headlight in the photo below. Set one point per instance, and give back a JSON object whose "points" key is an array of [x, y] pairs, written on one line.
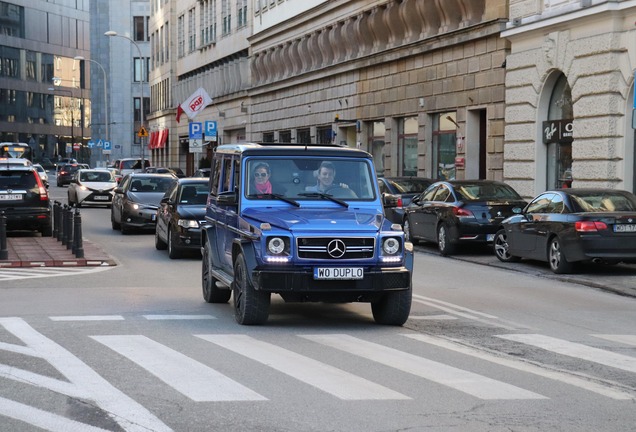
{"points": [[391, 246], [186, 223], [278, 245], [82, 187]]}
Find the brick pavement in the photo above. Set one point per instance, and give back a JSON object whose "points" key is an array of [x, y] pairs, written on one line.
{"points": [[50, 252]]}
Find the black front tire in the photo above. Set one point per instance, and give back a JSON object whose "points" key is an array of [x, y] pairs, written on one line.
{"points": [[501, 248], [211, 292], [393, 308], [250, 306], [173, 251]]}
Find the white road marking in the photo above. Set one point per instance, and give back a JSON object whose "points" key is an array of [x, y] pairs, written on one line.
{"points": [[81, 380], [523, 366], [624, 339], [87, 318], [432, 317], [470, 314], [189, 377], [179, 317], [43, 419], [329, 379], [7, 274], [576, 350], [473, 384]]}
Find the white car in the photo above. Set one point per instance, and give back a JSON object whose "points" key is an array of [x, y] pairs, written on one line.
{"points": [[92, 187], [42, 173]]}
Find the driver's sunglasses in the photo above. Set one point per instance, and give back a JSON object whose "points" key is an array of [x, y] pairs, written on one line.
{"points": [[262, 174]]}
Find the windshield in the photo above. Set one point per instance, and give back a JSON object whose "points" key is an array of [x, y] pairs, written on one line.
{"points": [[303, 178]]}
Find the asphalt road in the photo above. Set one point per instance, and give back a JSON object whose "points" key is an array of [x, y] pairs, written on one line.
{"points": [[486, 348]]}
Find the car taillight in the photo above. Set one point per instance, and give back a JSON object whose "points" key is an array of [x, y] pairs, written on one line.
{"points": [[589, 226], [458, 211], [399, 202], [44, 196]]}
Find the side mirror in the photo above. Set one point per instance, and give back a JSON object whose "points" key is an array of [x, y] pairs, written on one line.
{"points": [[166, 200], [119, 190], [227, 198]]}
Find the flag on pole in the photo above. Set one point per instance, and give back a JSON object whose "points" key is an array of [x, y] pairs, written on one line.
{"points": [[179, 112], [194, 104]]}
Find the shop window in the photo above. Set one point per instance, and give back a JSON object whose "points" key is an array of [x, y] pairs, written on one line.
{"points": [[407, 146], [268, 137], [304, 136], [325, 135], [444, 145], [284, 136], [557, 135]]}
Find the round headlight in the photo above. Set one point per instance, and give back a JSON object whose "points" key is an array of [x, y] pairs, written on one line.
{"points": [[391, 246], [276, 245]]}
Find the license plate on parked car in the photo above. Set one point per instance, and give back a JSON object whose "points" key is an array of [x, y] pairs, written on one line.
{"points": [[10, 197], [625, 228], [338, 273]]}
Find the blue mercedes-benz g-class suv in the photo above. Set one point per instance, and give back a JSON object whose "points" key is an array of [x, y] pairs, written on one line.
{"points": [[304, 222]]}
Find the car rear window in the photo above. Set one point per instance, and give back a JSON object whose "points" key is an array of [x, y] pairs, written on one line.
{"points": [[17, 180]]}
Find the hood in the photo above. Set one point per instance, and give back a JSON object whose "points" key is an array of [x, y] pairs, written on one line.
{"points": [[194, 212], [151, 198], [100, 186], [312, 219]]}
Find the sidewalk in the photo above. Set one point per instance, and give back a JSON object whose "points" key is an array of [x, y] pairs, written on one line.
{"points": [[50, 252]]}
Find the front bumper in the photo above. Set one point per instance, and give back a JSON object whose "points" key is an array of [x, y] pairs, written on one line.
{"points": [[141, 218], [301, 280]]}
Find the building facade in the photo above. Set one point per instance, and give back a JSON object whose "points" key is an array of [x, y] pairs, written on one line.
{"points": [[125, 59], [418, 84], [42, 102], [570, 95]]}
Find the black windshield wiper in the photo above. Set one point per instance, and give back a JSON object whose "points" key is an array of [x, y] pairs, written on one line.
{"points": [[276, 196], [325, 196]]}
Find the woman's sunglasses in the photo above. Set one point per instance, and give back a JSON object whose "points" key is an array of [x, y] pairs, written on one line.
{"points": [[260, 174]]}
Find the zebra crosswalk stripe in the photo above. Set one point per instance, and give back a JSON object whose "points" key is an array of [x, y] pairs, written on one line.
{"points": [[190, 377], [624, 339], [476, 385], [576, 350], [329, 379]]}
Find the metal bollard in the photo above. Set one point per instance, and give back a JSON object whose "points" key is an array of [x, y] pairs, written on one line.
{"points": [[78, 247], [56, 216], [4, 253], [63, 225], [69, 228]]}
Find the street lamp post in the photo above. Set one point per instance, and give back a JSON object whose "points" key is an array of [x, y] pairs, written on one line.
{"points": [[72, 114], [112, 33], [105, 101]]}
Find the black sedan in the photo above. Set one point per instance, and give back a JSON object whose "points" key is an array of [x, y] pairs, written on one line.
{"points": [[137, 199], [453, 212], [397, 193], [180, 216], [567, 226]]}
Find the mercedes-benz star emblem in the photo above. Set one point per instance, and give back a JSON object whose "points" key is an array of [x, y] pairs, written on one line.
{"points": [[336, 248]]}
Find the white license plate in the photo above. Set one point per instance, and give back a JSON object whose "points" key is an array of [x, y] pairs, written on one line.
{"points": [[101, 198], [490, 237], [11, 197], [625, 228], [342, 273]]}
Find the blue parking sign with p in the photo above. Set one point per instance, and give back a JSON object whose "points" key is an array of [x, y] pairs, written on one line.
{"points": [[195, 130], [210, 129]]}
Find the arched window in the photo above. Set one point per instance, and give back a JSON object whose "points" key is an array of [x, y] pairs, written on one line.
{"points": [[558, 135]]}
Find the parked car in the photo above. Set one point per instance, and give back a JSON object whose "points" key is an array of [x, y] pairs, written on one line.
{"points": [[24, 199], [67, 171], [42, 173], [180, 216], [137, 199], [568, 226], [91, 187], [397, 193], [129, 165], [202, 172], [304, 222], [455, 212]]}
